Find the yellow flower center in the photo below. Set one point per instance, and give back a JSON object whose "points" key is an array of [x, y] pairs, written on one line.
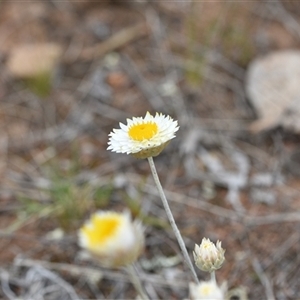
{"points": [[206, 245], [103, 228], [206, 290], [144, 131]]}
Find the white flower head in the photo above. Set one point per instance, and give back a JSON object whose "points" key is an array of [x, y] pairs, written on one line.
{"points": [[208, 256], [143, 137], [206, 290], [113, 238]]}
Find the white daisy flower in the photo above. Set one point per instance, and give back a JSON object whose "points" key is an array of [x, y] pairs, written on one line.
{"points": [[143, 137], [112, 238], [206, 290]]}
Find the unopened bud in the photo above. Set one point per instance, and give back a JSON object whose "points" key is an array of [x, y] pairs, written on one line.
{"points": [[208, 256]]}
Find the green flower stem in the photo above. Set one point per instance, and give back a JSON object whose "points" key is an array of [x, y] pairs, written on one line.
{"points": [[136, 281], [171, 219]]}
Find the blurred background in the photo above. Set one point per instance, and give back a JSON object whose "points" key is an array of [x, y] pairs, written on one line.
{"points": [[228, 71]]}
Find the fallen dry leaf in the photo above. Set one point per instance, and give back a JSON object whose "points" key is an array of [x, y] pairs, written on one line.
{"points": [[272, 85], [30, 60]]}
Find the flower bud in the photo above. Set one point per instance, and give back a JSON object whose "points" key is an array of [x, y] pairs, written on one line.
{"points": [[208, 256], [112, 238]]}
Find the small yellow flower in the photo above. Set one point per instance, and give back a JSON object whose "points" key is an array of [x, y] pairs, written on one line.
{"points": [[143, 137], [208, 256], [112, 238], [206, 290]]}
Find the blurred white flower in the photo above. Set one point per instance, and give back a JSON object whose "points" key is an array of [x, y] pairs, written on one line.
{"points": [[113, 238], [143, 137], [208, 256], [206, 290]]}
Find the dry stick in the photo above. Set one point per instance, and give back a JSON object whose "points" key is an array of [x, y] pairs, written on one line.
{"points": [[282, 15], [263, 279], [116, 41], [144, 86], [92, 272], [135, 280], [171, 219], [282, 249]]}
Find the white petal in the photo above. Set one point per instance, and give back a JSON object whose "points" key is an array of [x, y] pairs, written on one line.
{"points": [[121, 142]]}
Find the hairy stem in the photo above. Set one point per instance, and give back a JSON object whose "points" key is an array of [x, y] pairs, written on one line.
{"points": [[213, 276], [171, 219]]}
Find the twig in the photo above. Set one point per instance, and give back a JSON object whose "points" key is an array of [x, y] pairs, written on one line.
{"points": [[197, 203], [159, 36], [226, 213], [263, 279], [282, 15], [40, 273], [283, 249], [147, 89], [116, 41], [76, 270], [214, 57], [135, 280], [271, 219], [38, 282], [4, 276], [78, 120]]}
